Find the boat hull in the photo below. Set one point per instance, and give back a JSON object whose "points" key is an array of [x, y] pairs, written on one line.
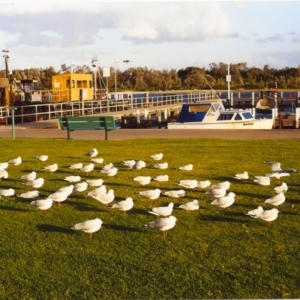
{"points": [[263, 124]]}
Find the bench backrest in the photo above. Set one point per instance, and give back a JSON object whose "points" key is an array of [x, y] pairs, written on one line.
{"points": [[88, 122]]}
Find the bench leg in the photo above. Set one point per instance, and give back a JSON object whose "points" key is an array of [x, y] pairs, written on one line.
{"points": [[68, 134], [106, 134]]}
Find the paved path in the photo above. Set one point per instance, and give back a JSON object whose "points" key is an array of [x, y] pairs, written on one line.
{"points": [[50, 130]]}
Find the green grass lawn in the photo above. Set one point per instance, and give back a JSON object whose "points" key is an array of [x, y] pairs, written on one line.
{"points": [[210, 253]]}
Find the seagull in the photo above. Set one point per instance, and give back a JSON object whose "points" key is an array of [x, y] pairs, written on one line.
{"points": [[80, 186], [72, 178], [41, 157], [95, 182], [59, 197], [110, 172], [224, 201], [105, 198], [157, 156], [266, 215], [16, 161], [150, 194], [92, 153], [189, 184], [276, 200], [36, 183], [42, 204], [188, 167], [217, 192], [128, 163], [278, 175], [51, 168], [108, 166], [97, 160], [174, 193], [262, 180], [163, 224], [203, 184], [3, 166], [88, 168], [163, 210], [97, 191], [242, 176], [161, 166], [7, 192], [281, 188], [76, 166], [276, 166], [29, 176], [143, 180], [193, 205], [255, 213], [67, 189], [124, 205], [224, 184], [161, 178], [139, 164], [89, 226], [3, 174], [29, 195]]}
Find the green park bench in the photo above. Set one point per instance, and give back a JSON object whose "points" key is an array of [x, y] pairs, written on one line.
{"points": [[71, 123]]}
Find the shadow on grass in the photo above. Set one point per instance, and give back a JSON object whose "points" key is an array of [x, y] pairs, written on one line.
{"points": [[122, 228], [53, 228], [12, 208], [223, 217]]}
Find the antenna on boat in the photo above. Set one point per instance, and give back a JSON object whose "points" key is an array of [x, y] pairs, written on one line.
{"points": [[228, 79]]}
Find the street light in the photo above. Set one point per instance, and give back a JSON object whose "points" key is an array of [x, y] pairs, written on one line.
{"points": [[116, 65]]}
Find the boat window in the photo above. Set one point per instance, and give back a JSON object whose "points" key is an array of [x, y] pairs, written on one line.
{"points": [[225, 117], [238, 117], [217, 106], [247, 115], [198, 108]]}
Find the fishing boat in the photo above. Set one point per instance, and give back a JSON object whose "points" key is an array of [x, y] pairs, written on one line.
{"points": [[212, 114]]}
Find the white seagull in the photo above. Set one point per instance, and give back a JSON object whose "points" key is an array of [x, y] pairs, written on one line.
{"points": [[265, 215], [80, 186], [174, 193], [7, 192], [224, 201], [188, 183], [143, 180], [124, 205], [161, 178], [92, 153], [36, 183], [59, 197], [29, 176], [89, 226], [188, 167], [41, 157], [76, 166], [73, 178], [163, 224], [276, 200], [204, 184], [67, 189], [139, 164], [262, 180], [193, 205], [95, 182], [110, 172], [242, 176], [51, 168], [97, 191], [97, 160], [3, 165], [217, 192], [161, 166], [29, 194], [255, 213], [281, 188], [3, 174], [150, 194], [276, 166], [224, 184], [128, 163], [16, 161], [162, 210], [88, 168], [42, 204], [157, 156], [105, 198]]}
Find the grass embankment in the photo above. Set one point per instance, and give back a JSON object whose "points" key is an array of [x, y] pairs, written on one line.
{"points": [[209, 253]]}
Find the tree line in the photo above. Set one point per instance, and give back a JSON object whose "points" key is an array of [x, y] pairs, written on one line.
{"points": [[144, 79]]}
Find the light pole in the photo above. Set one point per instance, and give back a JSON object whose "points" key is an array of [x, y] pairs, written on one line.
{"points": [[94, 65]]}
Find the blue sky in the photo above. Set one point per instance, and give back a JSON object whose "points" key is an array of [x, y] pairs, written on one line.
{"points": [[160, 35]]}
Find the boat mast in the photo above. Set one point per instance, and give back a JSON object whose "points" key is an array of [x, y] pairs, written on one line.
{"points": [[228, 79]]}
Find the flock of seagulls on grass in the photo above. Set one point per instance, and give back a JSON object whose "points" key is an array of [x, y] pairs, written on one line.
{"points": [[220, 193]]}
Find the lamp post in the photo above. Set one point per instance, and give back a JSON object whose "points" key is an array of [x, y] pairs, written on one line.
{"points": [[94, 65]]}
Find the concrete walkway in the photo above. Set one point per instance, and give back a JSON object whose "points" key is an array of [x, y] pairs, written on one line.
{"points": [[50, 129]]}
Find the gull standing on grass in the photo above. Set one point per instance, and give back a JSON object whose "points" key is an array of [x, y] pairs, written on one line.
{"points": [[188, 183], [52, 168], [161, 178], [163, 224], [262, 180], [95, 182], [97, 160], [7, 192], [105, 198], [89, 226], [217, 192], [204, 184], [41, 157], [143, 180], [88, 168], [29, 194], [241, 176], [97, 191], [265, 215], [67, 189], [139, 164], [110, 172], [74, 178], [157, 156], [193, 205], [36, 183], [59, 197], [161, 166], [15, 161], [3, 174], [128, 163], [80, 186], [76, 166], [42, 204], [174, 193], [276, 200], [92, 153], [124, 205], [29, 176], [281, 188], [188, 167], [150, 194], [224, 201], [162, 210]]}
